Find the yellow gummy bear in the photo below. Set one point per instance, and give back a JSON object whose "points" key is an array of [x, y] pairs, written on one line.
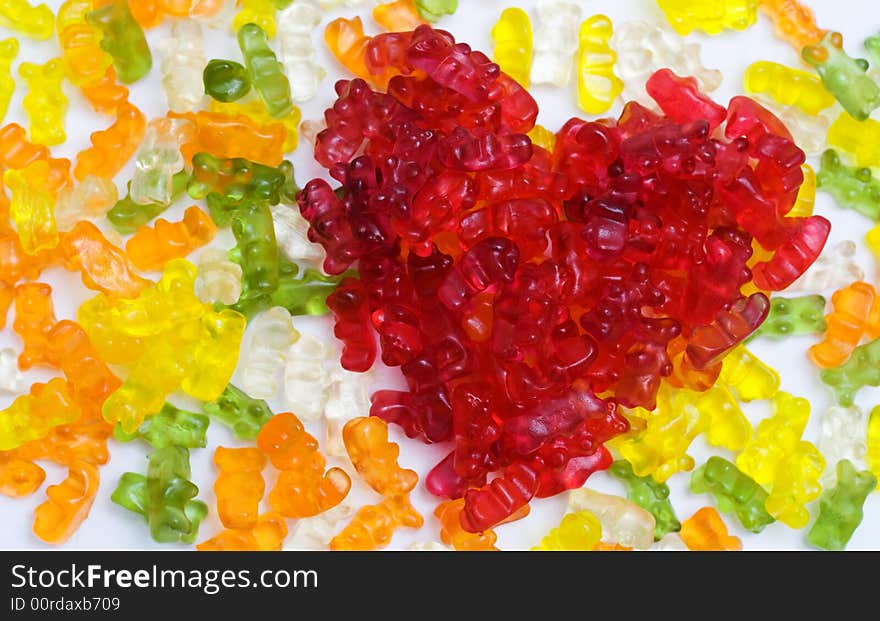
{"points": [[859, 138], [512, 35], [747, 376], [45, 102], [542, 137], [796, 484], [36, 22], [597, 86], [660, 449], [872, 456], [577, 532], [788, 86], [215, 354], [710, 16], [728, 426], [806, 197], [776, 437], [8, 52], [32, 207], [256, 111], [259, 12], [170, 338]]}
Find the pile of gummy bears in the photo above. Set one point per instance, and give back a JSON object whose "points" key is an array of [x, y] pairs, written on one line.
{"points": [[557, 303]]}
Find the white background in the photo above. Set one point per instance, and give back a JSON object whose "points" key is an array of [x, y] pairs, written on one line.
{"points": [[110, 526]]}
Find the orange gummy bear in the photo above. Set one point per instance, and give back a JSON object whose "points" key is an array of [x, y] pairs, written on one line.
{"points": [[7, 294], [19, 477], [346, 40], [398, 16], [17, 152], [706, 531], [103, 266], [68, 504], [239, 486], [34, 320], [373, 526], [847, 323], [303, 488], [106, 95], [226, 136], [112, 147], [452, 533], [375, 457], [267, 535], [150, 248], [90, 379], [793, 22]]}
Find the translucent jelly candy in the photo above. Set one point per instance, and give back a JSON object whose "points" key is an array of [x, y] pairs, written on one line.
{"points": [[183, 60], [555, 42], [644, 48], [297, 52], [373, 525], [306, 380], [150, 248], [835, 268], [622, 521], [271, 335], [842, 436]]}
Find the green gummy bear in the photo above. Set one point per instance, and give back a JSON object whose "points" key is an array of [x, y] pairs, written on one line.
{"points": [[734, 491], [862, 369], [840, 509], [127, 216], [236, 178], [225, 80], [171, 426], [844, 77], [791, 316], [872, 45], [165, 497], [649, 495], [257, 249], [433, 10], [266, 73], [300, 295], [850, 187], [233, 408], [122, 38]]}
